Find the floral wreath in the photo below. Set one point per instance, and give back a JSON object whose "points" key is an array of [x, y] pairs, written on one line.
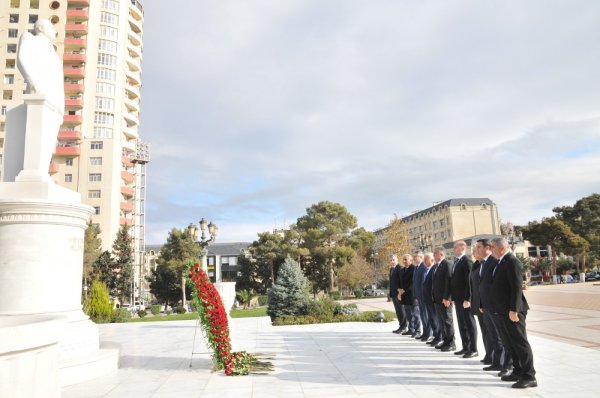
{"points": [[213, 320]]}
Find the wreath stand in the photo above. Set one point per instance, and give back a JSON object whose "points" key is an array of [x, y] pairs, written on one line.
{"points": [[205, 341]]}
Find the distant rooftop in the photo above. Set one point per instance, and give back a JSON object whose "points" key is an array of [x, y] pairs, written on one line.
{"points": [[451, 203]]}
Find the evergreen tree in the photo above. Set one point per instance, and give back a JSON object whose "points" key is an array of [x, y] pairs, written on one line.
{"points": [[98, 306], [165, 285], [288, 295], [179, 249], [91, 250], [103, 270], [123, 263]]}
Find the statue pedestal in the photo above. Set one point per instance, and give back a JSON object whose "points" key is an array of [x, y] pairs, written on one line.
{"points": [[227, 292], [41, 240]]}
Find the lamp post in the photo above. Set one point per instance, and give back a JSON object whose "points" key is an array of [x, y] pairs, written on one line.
{"points": [[513, 239], [422, 241], [203, 242]]}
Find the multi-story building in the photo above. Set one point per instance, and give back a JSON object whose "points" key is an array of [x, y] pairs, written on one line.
{"points": [[449, 221], [99, 152]]}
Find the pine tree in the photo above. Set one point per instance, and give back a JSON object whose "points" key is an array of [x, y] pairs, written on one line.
{"points": [[98, 306], [91, 250], [288, 294], [103, 270], [123, 259]]}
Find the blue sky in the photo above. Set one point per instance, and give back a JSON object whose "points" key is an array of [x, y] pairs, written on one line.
{"points": [[256, 110]]}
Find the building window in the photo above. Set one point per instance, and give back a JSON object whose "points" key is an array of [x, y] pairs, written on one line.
{"points": [[14, 18], [9, 79], [108, 32], [7, 95], [110, 4], [69, 162], [94, 194], [109, 17], [34, 4], [105, 88], [96, 210], [13, 33], [68, 177], [107, 60], [10, 64], [105, 103], [33, 18], [104, 118], [106, 74], [95, 177], [11, 48], [103, 132], [107, 45], [96, 161], [3, 112], [96, 145]]}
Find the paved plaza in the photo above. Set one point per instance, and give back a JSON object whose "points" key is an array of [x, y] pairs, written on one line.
{"points": [[355, 359]]}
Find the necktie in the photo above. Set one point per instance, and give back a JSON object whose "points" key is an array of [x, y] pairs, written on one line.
{"points": [[456, 260], [481, 264], [497, 264]]}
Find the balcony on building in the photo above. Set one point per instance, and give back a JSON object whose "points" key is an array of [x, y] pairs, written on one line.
{"points": [[134, 38], [127, 191], [133, 78], [73, 88], [136, 10], [132, 105], [131, 118], [130, 133], [68, 150], [74, 57], [132, 91], [78, 3], [126, 160], [127, 176], [77, 15], [74, 103], [127, 207], [69, 135], [75, 43], [74, 72], [79, 28], [72, 119], [133, 63], [126, 221], [53, 169], [135, 49]]}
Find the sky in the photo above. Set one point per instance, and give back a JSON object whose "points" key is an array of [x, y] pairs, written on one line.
{"points": [[255, 110]]}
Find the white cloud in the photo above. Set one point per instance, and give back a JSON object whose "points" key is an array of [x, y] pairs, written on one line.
{"points": [[256, 110]]}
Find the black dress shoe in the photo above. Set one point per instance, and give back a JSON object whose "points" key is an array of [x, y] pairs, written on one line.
{"points": [[461, 352], [471, 354], [440, 345], [424, 338], [398, 331], [448, 348], [416, 336], [492, 368], [525, 383], [428, 340], [503, 372], [406, 333], [434, 342], [510, 377]]}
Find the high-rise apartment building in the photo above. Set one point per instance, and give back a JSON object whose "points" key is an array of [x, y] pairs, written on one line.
{"points": [[99, 152]]}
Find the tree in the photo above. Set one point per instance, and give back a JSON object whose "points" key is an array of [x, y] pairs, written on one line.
{"points": [[324, 231], [122, 252], [98, 306], [395, 240], [91, 250], [288, 294], [554, 232], [103, 270], [176, 253], [165, 285], [357, 273]]}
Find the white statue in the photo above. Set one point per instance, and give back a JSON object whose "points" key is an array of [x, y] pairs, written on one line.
{"points": [[40, 65]]}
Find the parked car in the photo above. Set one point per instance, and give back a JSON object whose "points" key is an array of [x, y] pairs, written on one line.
{"points": [[535, 283], [139, 305], [369, 292]]}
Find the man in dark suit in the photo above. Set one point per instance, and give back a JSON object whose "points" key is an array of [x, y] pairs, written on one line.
{"points": [[440, 292], [432, 327], [406, 295], [500, 358], [461, 295], [418, 307], [509, 303], [475, 281], [395, 270]]}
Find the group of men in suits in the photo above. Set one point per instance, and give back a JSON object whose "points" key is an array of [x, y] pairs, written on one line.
{"points": [[426, 288]]}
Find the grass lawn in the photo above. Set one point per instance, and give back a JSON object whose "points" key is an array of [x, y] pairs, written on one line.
{"points": [[163, 318], [249, 313]]}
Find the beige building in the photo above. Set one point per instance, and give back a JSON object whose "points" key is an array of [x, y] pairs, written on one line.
{"points": [[99, 152], [449, 221]]}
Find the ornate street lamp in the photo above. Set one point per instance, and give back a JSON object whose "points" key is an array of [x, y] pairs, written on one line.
{"points": [[203, 242], [422, 241]]}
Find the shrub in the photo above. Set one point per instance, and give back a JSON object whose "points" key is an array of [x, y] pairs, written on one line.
{"points": [[263, 300], [336, 295], [141, 313], [180, 309], [155, 309], [288, 294], [120, 315], [347, 309], [358, 293], [321, 306], [168, 312], [98, 306]]}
